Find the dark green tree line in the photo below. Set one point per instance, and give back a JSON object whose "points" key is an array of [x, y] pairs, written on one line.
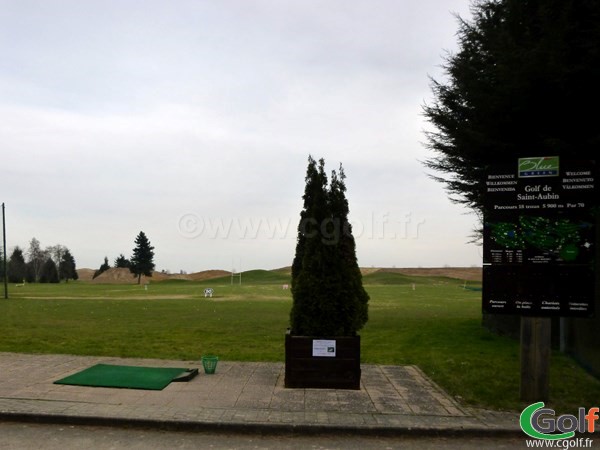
{"points": [[48, 265]]}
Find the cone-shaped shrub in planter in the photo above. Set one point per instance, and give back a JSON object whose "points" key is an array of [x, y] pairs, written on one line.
{"points": [[330, 304]]}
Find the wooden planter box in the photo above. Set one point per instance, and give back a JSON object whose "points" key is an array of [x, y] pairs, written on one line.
{"points": [[322, 362]]}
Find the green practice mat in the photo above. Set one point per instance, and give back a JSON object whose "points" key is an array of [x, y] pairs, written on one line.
{"points": [[132, 377]]}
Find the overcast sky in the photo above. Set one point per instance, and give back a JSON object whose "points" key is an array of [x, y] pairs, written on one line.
{"points": [[192, 120]]}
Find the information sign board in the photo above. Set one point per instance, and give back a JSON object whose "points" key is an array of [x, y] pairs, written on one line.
{"points": [[324, 347], [539, 238]]}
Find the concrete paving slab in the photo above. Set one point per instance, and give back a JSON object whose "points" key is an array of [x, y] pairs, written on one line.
{"points": [[240, 396]]}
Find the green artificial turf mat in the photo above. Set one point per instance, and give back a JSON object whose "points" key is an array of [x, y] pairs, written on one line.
{"points": [[132, 377]]}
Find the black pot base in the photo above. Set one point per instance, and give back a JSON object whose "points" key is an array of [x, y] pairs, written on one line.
{"points": [[305, 370]]}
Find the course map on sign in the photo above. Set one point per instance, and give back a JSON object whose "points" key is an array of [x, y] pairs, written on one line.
{"points": [[535, 219]]}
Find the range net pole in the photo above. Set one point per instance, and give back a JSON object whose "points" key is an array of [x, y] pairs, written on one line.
{"points": [[234, 273]]}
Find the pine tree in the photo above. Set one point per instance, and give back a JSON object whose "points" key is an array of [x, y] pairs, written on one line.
{"points": [[310, 262], [121, 262], [17, 268], [329, 299], [49, 272], [351, 290], [142, 261], [67, 267], [314, 191]]}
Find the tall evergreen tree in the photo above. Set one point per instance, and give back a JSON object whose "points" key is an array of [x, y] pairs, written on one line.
{"points": [[326, 283], [314, 193], [142, 261], [67, 268], [17, 268], [30, 273], [309, 267], [121, 262], [519, 85], [351, 292], [49, 272]]}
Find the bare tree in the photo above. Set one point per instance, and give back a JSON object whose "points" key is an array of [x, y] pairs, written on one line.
{"points": [[57, 252], [36, 258]]}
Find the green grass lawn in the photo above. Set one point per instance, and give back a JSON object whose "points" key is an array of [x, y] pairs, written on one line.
{"points": [[435, 324]]}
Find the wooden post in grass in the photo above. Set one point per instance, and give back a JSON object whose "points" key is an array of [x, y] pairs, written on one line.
{"points": [[535, 358]]}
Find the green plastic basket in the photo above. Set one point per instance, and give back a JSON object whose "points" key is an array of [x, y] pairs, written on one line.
{"points": [[209, 362]]}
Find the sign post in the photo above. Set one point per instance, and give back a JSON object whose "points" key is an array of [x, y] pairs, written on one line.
{"points": [[539, 240], [535, 358]]}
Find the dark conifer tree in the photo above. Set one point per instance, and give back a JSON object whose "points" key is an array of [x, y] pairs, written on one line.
{"points": [[328, 296], [142, 261], [67, 267], [49, 272], [301, 240], [121, 262], [17, 268], [310, 262], [352, 295]]}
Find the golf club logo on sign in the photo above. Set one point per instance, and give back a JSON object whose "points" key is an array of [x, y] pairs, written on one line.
{"points": [[540, 166]]}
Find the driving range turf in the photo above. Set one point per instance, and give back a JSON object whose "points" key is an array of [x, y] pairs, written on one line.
{"points": [[432, 322]]}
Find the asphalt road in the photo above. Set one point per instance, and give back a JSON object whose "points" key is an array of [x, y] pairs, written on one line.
{"points": [[17, 436]]}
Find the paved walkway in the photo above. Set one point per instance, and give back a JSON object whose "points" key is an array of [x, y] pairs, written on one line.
{"points": [[240, 397]]}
